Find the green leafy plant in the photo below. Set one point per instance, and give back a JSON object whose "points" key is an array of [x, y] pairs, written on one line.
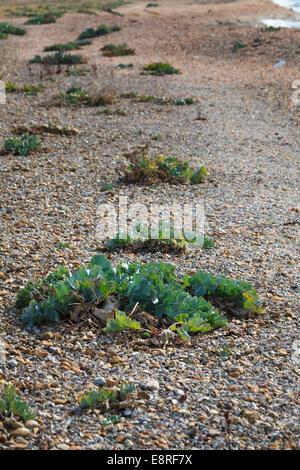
{"points": [[152, 5], [26, 144], [10, 87], [153, 99], [102, 30], [236, 292], [114, 50], [145, 169], [121, 322], [159, 68], [129, 290], [69, 46], [44, 18], [75, 95], [126, 66], [269, 29], [60, 58], [238, 45], [12, 405], [107, 397], [6, 29]]}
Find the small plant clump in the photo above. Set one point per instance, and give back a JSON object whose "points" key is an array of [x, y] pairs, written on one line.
{"points": [[47, 129], [152, 5], [10, 87], [125, 66], [117, 295], [165, 239], [238, 45], [44, 18], [69, 46], [102, 30], [26, 144], [115, 50], [6, 29], [159, 68], [77, 96], [153, 99], [60, 58], [13, 405], [108, 398], [145, 169]]}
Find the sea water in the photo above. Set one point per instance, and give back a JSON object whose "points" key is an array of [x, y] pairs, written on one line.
{"points": [[293, 5]]}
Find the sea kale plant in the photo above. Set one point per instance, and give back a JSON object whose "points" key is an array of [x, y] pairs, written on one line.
{"points": [[23, 145], [166, 239], [132, 289], [115, 50], [13, 405], [6, 29], [159, 68], [146, 169], [102, 30]]}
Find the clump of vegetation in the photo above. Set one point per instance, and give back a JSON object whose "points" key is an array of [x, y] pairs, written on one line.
{"points": [[159, 68], [60, 58], [10, 87], [145, 169], [118, 296], [13, 405], [102, 30], [153, 99], [26, 144], [108, 398], [238, 45], [6, 29], [270, 29], [114, 50], [140, 239], [77, 96], [69, 46], [126, 66], [165, 239], [152, 5], [45, 18], [47, 129], [257, 40], [41, 289]]}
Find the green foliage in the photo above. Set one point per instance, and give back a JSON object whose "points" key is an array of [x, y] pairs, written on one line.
{"points": [[141, 237], [114, 50], [60, 58], [159, 68], [27, 143], [153, 287], [152, 5], [126, 66], [6, 29], [10, 87], [102, 30], [153, 99], [270, 29], [238, 45], [105, 396], [146, 169], [69, 46], [12, 405], [75, 95], [236, 292], [121, 322], [83, 287], [257, 40], [113, 419], [45, 18], [208, 243], [41, 289]]}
